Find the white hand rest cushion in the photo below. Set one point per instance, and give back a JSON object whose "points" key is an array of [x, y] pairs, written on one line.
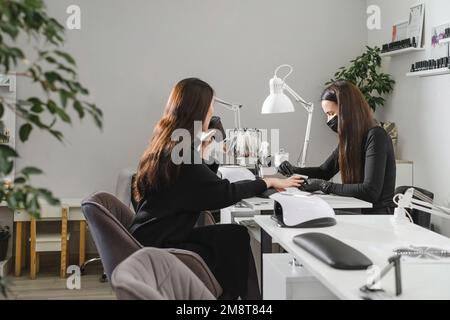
{"points": [[236, 173]]}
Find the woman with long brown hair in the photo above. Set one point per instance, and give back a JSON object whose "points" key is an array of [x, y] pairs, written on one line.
{"points": [[365, 155], [171, 194]]}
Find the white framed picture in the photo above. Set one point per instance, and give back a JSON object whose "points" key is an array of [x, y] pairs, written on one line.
{"points": [[400, 31], [416, 22], [438, 33]]}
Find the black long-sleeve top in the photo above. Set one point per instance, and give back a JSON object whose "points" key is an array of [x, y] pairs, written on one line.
{"points": [[378, 184], [168, 215]]}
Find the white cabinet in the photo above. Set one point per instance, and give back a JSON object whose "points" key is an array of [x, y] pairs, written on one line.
{"points": [[282, 281], [404, 173]]}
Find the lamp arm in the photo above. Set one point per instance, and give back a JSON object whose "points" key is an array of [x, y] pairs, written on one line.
{"points": [[236, 108], [237, 114], [407, 201], [309, 107], [430, 208], [307, 138]]}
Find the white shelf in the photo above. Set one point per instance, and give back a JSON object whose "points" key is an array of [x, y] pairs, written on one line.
{"points": [[429, 73], [401, 51], [444, 41]]}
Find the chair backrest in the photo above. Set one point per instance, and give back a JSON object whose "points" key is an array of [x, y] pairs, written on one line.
{"points": [[108, 219], [420, 218], [124, 187], [156, 274]]}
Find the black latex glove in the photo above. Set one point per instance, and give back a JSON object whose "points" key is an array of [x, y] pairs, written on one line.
{"points": [[216, 123], [286, 169], [313, 185]]}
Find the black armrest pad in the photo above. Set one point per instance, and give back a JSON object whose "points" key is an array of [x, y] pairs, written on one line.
{"points": [[333, 251]]}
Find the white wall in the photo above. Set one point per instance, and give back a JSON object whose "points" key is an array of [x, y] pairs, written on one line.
{"points": [[420, 106], [131, 53]]}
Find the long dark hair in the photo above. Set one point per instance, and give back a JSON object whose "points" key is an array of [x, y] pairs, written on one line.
{"points": [[189, 101], [355, 120]]}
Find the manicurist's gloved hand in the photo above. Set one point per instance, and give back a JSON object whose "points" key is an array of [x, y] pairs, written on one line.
{"points": [[286, 169], [313, 185]]}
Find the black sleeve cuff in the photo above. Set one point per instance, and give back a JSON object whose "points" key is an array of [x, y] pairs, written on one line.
{"points": [[260, 186]]}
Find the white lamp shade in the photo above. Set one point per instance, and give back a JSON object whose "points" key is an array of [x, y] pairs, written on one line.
{"points": [[277, 103]]}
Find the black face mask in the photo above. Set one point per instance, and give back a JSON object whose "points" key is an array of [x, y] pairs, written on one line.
{"points": [[333, 124]]}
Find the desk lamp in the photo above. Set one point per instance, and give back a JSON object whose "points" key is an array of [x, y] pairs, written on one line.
{"points": [[423, 203], [278, 102], [244, 139]]}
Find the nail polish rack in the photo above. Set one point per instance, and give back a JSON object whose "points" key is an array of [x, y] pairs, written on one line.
{"points": [[428, 68], [400, 47]]}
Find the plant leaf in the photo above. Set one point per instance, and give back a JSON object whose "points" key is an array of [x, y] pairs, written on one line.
{"points": [[66, 57], [25, 131], [28, 171]]}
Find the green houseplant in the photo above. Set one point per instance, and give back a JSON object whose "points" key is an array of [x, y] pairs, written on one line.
{"points": [[365, 72], [53, 72]]}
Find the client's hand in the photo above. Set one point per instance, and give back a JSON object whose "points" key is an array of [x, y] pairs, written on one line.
{"points": [[286, 169], [282, 184]]}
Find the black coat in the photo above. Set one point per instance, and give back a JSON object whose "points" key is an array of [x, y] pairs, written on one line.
{"points": [[379, 165], [166, 219]]}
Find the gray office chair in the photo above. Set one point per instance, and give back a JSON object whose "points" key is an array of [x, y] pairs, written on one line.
{"points": [[420, 218], [124, 187], [156, 274], [124, 194], [108, 219]]}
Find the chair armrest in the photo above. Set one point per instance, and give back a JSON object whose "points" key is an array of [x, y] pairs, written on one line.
{"points": [[194, 262]]}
